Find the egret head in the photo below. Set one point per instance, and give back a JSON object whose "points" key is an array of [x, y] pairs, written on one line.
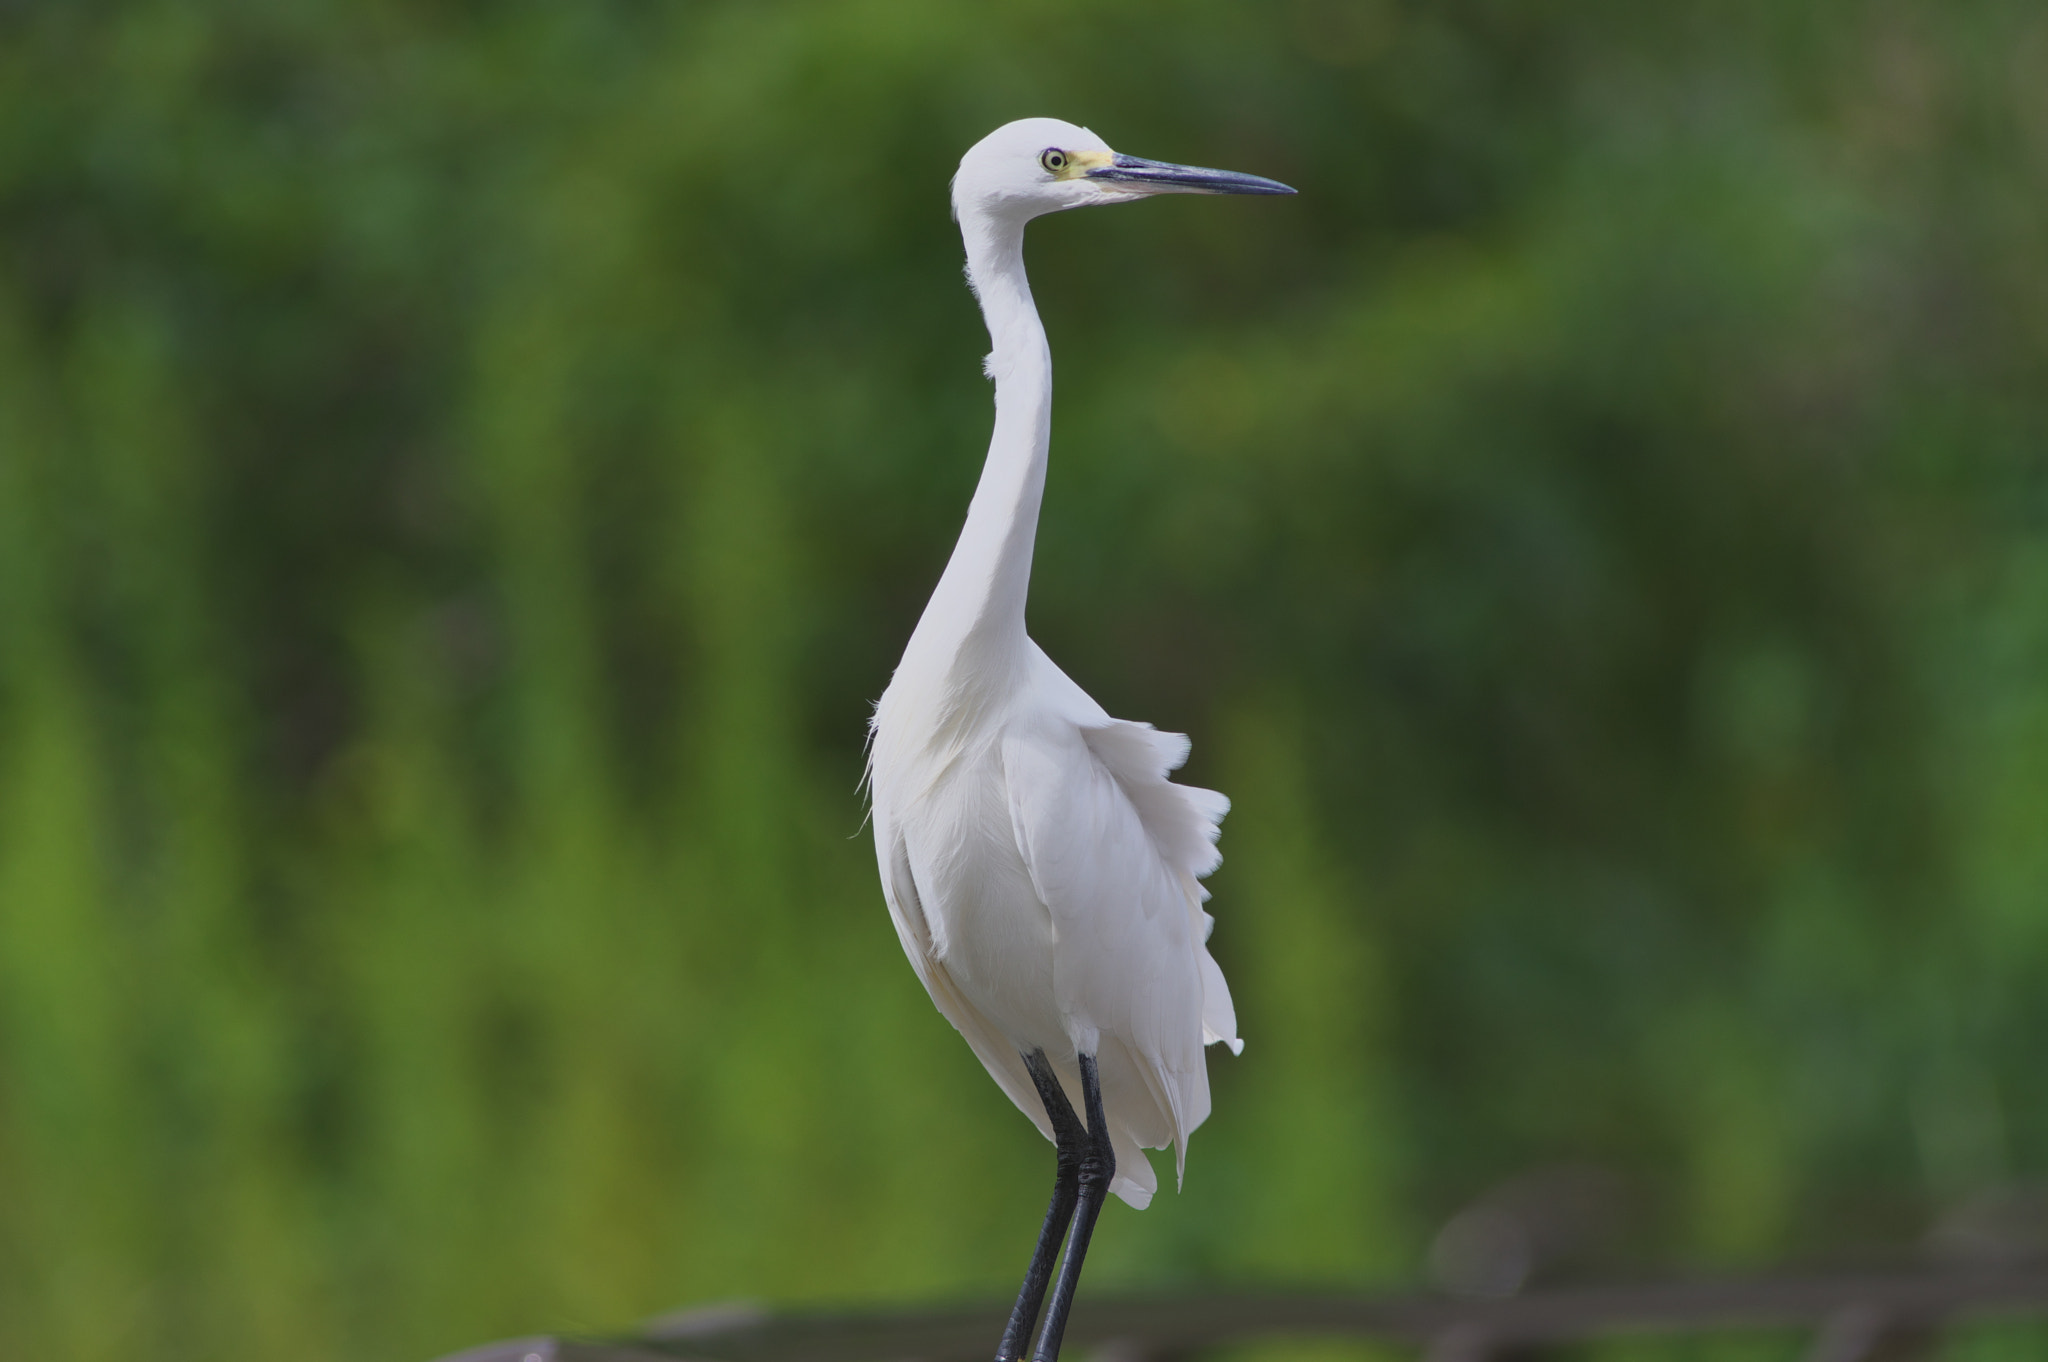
{"points": [[1041, 165]]}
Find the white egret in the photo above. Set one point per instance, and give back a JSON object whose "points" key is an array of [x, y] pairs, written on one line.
{"points": [[1041, 869]]}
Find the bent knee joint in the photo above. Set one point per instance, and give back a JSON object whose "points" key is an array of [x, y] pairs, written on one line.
{"points": [[1098, 1166]]}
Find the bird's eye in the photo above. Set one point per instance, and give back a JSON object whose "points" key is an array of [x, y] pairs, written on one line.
{"points": [[1053, 159]]}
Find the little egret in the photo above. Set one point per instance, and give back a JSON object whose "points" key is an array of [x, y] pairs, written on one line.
{"points": [[1041, 869]]}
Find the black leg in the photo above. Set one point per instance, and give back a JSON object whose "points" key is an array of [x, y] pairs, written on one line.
{"points": [[1098, 1170], [1071, 1140]]}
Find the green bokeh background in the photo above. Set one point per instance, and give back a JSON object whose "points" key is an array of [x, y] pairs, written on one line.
{"points": [[465, 470]]}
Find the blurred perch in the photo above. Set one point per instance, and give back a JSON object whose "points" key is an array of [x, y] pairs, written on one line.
{"points": [[1857, 1317]]}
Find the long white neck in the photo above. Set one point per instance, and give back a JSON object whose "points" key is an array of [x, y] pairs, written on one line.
{"points": [[975, 618]]}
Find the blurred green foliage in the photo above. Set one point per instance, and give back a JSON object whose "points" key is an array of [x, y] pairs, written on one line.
{"points": [[465, 469]]}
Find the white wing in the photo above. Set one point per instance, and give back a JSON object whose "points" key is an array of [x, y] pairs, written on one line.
{"points": [[1115, 850], [1183, 822]]}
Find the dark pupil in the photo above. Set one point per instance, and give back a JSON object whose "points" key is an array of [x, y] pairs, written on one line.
{"points": [[1055, 160]]}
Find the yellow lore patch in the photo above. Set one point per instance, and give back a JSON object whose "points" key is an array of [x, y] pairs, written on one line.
{"points": [[1079, 163]]}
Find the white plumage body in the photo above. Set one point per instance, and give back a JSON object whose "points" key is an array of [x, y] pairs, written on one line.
{"points": [[1041, 869]]}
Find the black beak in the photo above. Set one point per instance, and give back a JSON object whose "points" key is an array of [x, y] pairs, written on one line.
{"points": [[1162, 177]]}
